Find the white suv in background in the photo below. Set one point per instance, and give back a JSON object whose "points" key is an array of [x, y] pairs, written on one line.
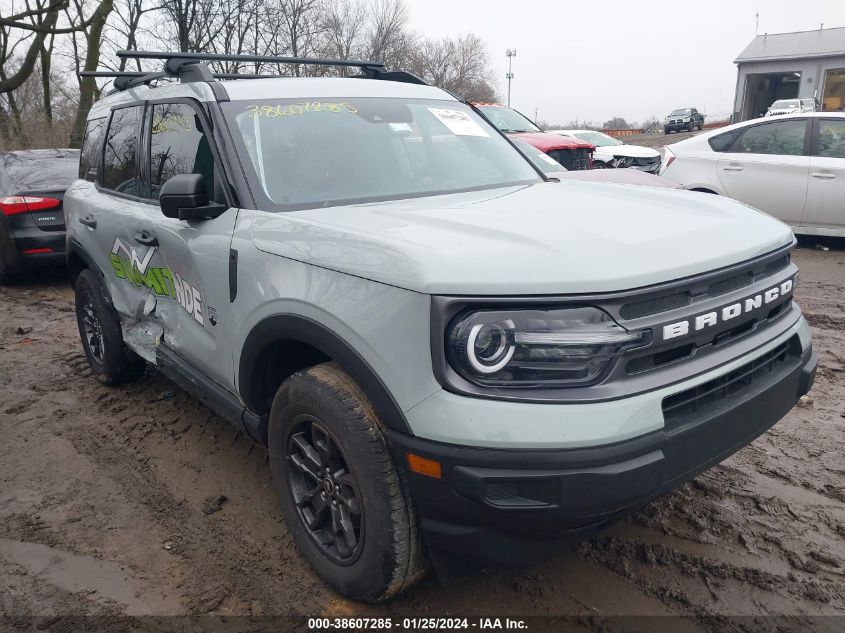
{"points": [[791, 106], [792, 167]]}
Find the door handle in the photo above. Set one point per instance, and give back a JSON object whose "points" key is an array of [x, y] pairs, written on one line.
{"points": [[142, 237], [89, 220], [824, 175], [732, 167]]}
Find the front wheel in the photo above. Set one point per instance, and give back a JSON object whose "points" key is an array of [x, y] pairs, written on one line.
{"points": [[342, 496]]}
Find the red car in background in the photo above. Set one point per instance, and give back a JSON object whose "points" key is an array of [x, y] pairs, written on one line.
{"points": [[573, 153]]}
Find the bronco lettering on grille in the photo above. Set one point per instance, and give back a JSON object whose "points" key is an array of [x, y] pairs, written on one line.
{"points": [[728, 312]]}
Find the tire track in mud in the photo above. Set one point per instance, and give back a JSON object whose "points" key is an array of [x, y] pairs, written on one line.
{"points": [[222, 566]]}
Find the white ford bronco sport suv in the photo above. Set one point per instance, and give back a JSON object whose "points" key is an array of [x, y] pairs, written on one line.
{"points": [[451, 359]]}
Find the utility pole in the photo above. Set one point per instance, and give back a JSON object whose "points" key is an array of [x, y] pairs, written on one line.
{"points": [[757, 27], [511, 53]]}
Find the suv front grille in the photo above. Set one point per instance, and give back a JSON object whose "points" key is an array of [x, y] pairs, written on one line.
{"points": [[732, 386], [719, 286]]}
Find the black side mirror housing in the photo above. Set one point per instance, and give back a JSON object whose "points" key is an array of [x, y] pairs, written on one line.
{"points": [[185, 197]]}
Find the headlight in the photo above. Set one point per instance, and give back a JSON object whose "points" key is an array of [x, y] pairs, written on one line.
{"points": [[537, 348]]}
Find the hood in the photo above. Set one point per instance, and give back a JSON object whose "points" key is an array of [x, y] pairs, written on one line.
{"points": [[771, 112], [619, 176], [629, 151], [547, 238], [546, 142]]}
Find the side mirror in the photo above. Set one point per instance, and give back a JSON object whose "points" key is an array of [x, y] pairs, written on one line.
{"points": [[185, 197]]}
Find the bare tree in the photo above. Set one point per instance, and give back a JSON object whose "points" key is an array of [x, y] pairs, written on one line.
{"points": [[460, 65], [388, 38], [344, 27], [88, 85]]}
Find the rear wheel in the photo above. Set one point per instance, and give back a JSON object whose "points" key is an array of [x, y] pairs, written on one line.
{"points": [[102, 338], [343, 498]]}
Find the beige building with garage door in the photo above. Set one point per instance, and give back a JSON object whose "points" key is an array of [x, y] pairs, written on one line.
{"points": [[801, 65]]}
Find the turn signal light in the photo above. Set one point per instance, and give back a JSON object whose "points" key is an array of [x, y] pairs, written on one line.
{"points": [[12, 205], [424, 466]]}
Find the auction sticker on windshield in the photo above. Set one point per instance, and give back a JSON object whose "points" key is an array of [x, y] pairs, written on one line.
{"points": [[458, 122]]}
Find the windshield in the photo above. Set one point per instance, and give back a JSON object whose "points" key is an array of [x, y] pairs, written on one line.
{"points": [[308, 154], [681, 112], [597, 138], [508, 120], [785, 104], [539, 159]]}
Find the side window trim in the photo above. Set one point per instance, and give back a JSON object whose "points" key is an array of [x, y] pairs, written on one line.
{"points": [[208, 130], [733, 147]]}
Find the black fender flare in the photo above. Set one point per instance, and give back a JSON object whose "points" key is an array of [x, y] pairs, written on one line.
{"points": [[75, 249], [291, 327]]}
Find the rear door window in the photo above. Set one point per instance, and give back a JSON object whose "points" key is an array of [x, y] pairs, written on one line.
{"points": [[120, 165], [91, 149], [831, 139], [783, 138]]}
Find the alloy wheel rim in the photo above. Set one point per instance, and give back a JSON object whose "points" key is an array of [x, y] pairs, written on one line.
{"points": [[93, 332], [325, 491]]}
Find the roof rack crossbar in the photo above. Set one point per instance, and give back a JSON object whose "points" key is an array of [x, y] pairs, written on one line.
{"points": [[268, 59]]}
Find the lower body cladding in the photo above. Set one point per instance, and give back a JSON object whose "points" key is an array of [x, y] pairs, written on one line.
{"points": [[494, 506]]}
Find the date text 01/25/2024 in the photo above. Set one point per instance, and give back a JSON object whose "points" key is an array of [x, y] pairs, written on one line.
{"points": [[317, 625]]}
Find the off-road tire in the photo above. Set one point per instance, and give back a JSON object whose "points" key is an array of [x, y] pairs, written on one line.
{"points": [[114, 363], [391, 556]]}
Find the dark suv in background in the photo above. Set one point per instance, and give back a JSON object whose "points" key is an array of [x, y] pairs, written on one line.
{"points": [[32, 223], [687, 119]]}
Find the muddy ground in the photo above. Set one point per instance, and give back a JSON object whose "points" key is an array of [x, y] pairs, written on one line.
{"points": [[138, 500]]}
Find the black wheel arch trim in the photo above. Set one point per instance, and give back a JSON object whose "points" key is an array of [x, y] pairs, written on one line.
{"points": [[295, 328], [75, 249]]}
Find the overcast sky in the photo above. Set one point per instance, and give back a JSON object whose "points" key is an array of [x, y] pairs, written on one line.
{"points": [[594, 60]]}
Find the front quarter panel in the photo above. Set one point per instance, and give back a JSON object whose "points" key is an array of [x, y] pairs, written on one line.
{"points": [[388, 327]]}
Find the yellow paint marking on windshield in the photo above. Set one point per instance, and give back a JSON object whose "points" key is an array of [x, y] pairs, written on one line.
{"points": [[295, 109], [171, 123]]}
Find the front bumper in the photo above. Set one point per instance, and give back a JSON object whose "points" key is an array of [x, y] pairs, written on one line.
{"points": [[677, 126], [515, 507]]}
